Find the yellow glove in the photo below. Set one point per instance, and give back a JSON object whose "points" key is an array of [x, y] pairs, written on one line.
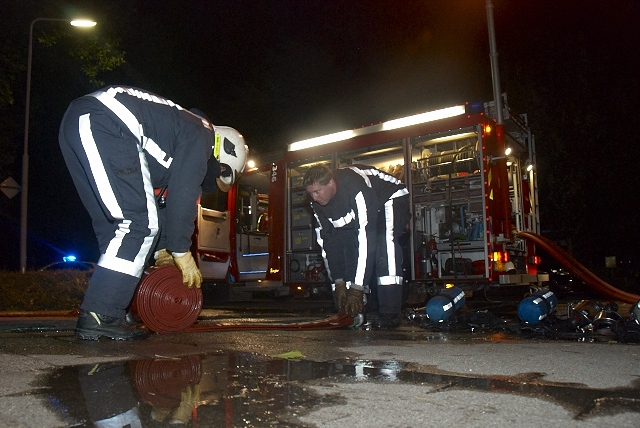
{"points": [[355, 304], [164, 258], [341, 294], [191, 275]]}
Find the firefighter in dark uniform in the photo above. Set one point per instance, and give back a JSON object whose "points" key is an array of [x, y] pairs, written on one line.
{"points": [[120, 143], [361, 213]]}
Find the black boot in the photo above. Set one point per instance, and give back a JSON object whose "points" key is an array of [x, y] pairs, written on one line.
{"points": [[390, 306], [130, 319], [91, 326], [387, 321]]}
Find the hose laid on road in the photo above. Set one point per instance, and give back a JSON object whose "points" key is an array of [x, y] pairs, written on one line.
{"points": [[165, 305]]}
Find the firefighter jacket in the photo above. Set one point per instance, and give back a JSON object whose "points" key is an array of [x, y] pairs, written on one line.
{"points": [[347, 225], [177, 145]]}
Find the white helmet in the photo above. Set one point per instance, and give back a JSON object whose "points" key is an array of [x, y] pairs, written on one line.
{"points": [[231, 151]]}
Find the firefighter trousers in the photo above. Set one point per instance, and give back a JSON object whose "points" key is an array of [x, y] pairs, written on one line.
{"points": [[392, 222], [111, 175]]}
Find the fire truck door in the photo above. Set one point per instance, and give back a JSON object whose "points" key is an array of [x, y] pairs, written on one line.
{"points": [[213, 228], [252, 228]]}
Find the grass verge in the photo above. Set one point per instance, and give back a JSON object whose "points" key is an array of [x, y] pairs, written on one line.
{"points": [[42, 291]]}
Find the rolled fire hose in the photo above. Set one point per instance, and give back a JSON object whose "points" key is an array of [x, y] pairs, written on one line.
{"points": [[165, 305]]}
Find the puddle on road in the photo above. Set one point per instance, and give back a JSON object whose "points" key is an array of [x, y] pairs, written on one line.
{"points": [[244, 389]]}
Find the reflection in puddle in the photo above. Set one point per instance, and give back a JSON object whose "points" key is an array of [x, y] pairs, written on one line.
{"points": [[231, 389], [243, 389]]}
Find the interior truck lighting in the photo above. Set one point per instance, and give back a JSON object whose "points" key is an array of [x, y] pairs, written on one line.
{"points": [[416, 119]]}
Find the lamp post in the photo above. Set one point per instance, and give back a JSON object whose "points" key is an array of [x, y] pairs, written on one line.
{"points": [[25, 155]]}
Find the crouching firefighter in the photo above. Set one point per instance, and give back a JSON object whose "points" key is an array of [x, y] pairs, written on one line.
{"points": [[120, 143], [361, 213]]}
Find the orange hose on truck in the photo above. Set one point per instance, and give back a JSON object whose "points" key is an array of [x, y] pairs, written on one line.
{"points": [[576, 268]]}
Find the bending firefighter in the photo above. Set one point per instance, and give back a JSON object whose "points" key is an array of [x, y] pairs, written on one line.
{"points": [[119, 144], [361, 212]]}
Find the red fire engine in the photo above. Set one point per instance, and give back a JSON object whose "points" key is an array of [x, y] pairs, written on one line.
{"points": [[472, 188]]}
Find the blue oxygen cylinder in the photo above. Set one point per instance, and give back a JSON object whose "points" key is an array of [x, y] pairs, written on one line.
{"points": [[441, 306], [537, 307]]}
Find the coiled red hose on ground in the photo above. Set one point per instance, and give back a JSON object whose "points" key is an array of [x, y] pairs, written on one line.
{"points": [[165, 305], [576, 268]]}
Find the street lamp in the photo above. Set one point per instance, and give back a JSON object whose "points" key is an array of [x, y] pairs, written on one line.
{"points": [[25, 155]]}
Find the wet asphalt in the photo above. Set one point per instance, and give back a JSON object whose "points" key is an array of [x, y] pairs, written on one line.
{"points": [[480, 374]]}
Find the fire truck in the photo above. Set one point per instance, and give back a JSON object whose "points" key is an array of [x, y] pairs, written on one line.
{"points": [[472, 186]]}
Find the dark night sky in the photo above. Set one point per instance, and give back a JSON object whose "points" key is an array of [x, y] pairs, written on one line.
{"points": [[280, 71]]}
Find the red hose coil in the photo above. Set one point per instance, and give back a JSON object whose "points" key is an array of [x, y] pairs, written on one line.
{"points": [[164, 303]]}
